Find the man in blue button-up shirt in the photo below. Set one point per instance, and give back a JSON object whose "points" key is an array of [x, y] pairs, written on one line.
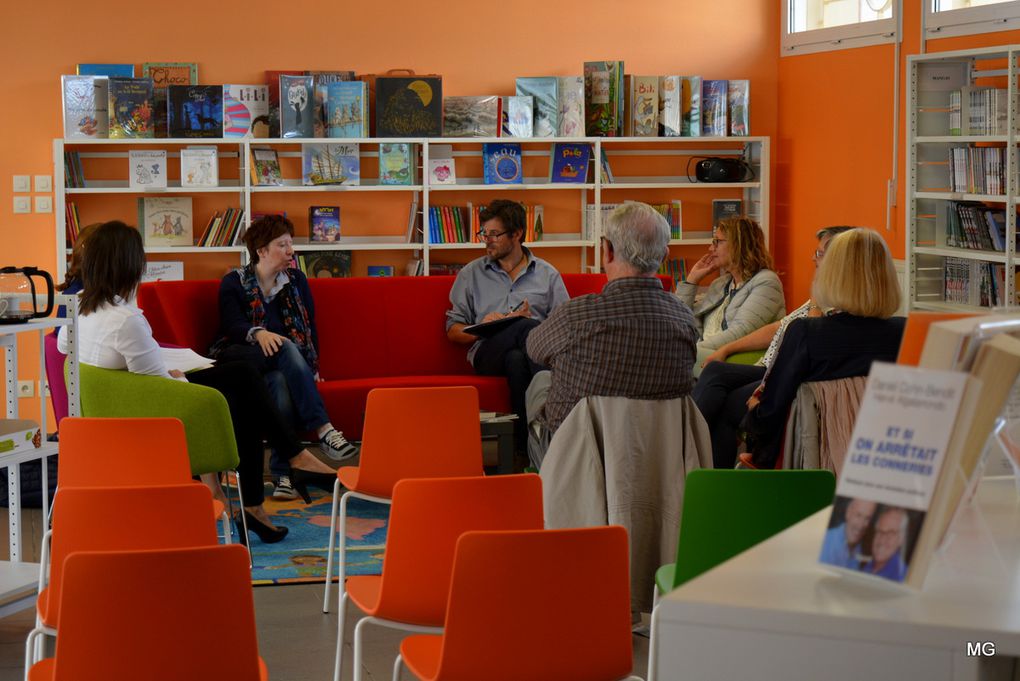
{"points": [[508, 281]]}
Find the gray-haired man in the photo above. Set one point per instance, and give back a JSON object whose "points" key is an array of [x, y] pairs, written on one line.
{"points": [[631, 340]]}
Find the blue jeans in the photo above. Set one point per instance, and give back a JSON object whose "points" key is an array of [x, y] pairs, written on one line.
{"points": [[292, 385]]}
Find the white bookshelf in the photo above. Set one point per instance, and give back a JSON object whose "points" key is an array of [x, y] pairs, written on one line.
{"points": [[931, 278], [677, 152]]}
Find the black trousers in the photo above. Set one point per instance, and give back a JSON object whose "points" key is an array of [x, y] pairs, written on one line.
{"points": [[254, 416], [721, 394], [505, 354]]}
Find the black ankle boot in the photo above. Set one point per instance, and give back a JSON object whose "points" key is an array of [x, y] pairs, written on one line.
{"points": [[267, 534]]}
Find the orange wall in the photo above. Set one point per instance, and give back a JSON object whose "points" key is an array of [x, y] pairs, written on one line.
{"points": [[478, 47], [834, 145]]}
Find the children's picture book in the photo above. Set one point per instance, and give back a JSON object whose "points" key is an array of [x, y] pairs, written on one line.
{"points": [[517, 114], [164, 74], [297, 110], [690, 106], [603, 98], [273, 93], [347, 109], [569, 162], [409, 106], [85, 106], [330, 164], [397, 164], [130, 107], [570, 94], [545, 90], [163, 270], [739, 98], [325, 264], [166, 221], [265, 167], [471, 116], [670, 90], [723, 209], [642, 106], [713, 108], [380, 270], [324, 223], [887, 480], [106, 70], [195, 110], [246, 110], [321, 81], [200, 167], [502, 163], [147, 169], [442, 168]]}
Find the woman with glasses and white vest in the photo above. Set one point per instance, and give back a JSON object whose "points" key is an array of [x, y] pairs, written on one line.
{"points": [[745, 296]]}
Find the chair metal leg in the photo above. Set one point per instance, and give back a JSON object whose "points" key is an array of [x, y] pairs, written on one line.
{"points": [[32, 654], [332, 545], [653, 645], [341, 616], [244, 521], [341, 568], [357, 648], [228, 533], [397, 664]]}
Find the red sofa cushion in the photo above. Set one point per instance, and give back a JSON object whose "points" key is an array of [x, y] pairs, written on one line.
{"points": [[148, 301], [192, 310]]}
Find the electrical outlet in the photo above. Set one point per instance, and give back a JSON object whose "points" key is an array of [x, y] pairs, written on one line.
{"points": [[22, 204], [21, 183], [26, 388], [44, 204], [43, 183], [45, 387]]}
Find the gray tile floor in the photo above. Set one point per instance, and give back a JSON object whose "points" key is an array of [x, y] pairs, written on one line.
{"points": [[296, 639]]}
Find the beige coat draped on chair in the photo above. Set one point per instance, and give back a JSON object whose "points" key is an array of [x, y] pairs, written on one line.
{"points": [[619, 461], [821, 423]]}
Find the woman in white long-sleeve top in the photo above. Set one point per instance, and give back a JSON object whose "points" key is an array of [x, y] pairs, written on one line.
{"points": [[745, 296]]}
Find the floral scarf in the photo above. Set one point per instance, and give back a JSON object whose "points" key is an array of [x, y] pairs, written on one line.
{"points": [[292, 308]]}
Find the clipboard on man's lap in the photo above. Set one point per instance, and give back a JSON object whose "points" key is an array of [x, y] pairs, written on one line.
{"points": [[490, 329]]}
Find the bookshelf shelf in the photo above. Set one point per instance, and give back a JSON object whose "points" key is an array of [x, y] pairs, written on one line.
{"points": [[959, 92], [646, 165]]}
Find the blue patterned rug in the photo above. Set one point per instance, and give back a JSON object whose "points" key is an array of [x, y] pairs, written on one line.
{"points": [[301, 557]]}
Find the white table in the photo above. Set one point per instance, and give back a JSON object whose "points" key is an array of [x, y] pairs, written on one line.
{"points": [[774, 613], [18, 579]]}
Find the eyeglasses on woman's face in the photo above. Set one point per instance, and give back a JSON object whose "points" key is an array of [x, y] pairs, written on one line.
{"points": [[716, 241]]}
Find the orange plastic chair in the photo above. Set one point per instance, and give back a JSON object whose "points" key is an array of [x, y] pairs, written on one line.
{"points": [[557, 602], [409, 433], [94, 453], [94, 519], [427, 519], [145, 614]]}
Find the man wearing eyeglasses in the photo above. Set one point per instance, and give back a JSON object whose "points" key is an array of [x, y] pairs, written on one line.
{"points": [[508, 281], [633, 339]]}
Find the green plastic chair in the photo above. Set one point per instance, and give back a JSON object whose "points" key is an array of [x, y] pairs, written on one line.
{"points": [[728, 511], [203, 410], [749, 357]]}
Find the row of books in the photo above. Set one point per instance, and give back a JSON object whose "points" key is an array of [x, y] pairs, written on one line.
{"points": [[978, 170], [979, 111], [72, 223], [323, 264], [676, 268], [673, 213], [224, 229], [972, 282], [329, 164], [74, 174], [969, 224], [460, 224], [167, 101]]}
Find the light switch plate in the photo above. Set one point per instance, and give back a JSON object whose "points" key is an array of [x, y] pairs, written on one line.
{"points": [[44, 204], [43, 183], [21, 183], [22, 204]]}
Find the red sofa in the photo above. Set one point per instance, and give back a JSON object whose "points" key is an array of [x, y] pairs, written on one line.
{"points": [[374, 332]]}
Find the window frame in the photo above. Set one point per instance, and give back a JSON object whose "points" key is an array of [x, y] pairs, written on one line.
{"points": [[1004, 16], [861, 34]]}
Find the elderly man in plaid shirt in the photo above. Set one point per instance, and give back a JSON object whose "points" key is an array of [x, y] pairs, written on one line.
{"points": [[631, 340]]}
